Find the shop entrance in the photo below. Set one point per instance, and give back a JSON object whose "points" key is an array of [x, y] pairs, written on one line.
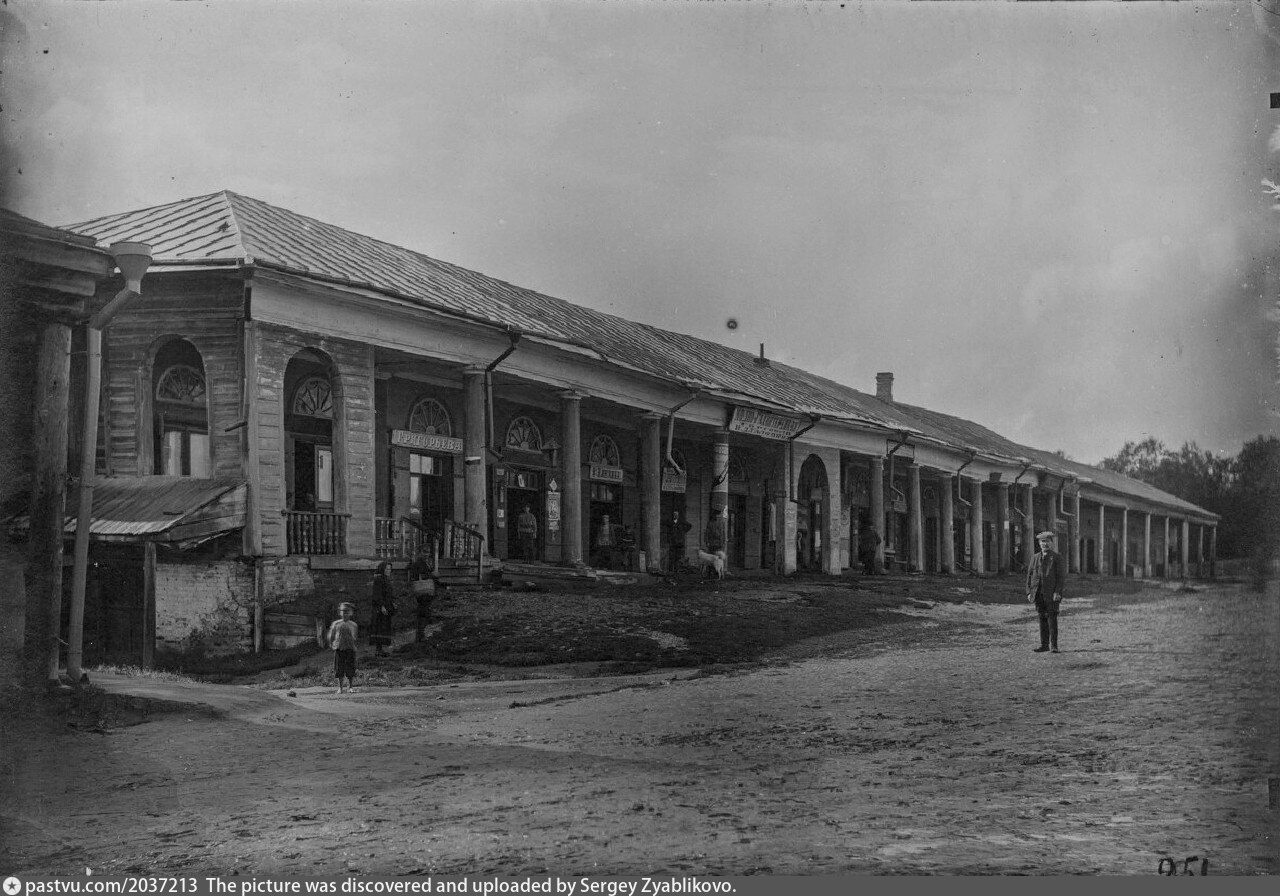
{"points": [[811, 534], [736, 545], [524, 491], [604, 521]]}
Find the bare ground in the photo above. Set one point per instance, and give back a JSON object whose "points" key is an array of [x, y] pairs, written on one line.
{"points": [[933, 742]]}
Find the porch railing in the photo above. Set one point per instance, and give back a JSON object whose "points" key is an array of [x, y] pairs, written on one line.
{"points": [[315, 532], [405, 539], [461, 542]]}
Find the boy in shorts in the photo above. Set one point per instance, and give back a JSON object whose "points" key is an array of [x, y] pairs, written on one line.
{"points": [[342, 638]]}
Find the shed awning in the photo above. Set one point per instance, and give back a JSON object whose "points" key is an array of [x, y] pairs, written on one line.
{"points": [[158, 508]]}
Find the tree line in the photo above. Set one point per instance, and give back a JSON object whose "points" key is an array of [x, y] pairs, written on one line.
{"points": [[1243, 489]]}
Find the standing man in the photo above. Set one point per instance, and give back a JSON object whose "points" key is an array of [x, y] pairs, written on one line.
{"points": [[677, 529], [868, 541], [527, 533], [1045, 578]]}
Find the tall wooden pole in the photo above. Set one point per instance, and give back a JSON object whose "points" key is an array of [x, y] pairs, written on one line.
{"points": [[48, 496]]}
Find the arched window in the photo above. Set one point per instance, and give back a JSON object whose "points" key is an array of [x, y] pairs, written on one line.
{"points": [[314, 398], [523, 434], [604, 451], [430, 417], [180, 412]]}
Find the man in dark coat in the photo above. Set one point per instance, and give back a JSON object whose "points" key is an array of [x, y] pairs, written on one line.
{"points": [[676, 529], [1045, 577], [384, 607]]}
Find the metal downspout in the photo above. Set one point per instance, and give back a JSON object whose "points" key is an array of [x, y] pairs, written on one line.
{"points": [[514, 335]]}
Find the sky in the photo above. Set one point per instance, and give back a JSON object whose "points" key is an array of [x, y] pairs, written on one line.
{"points": [[1046, 218]]}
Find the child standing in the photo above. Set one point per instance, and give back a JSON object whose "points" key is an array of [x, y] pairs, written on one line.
{"points": [[342, 638]]}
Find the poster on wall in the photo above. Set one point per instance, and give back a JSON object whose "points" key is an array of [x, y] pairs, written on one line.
{"points": [[553, 511]]}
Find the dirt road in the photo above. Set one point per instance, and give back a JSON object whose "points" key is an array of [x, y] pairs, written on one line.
{"points": [[939, 748]]}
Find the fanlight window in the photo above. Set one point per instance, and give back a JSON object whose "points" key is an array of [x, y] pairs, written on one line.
{"points": [[604, 451], [524, 435], [181, 384], [430, 417], [314, 398]]}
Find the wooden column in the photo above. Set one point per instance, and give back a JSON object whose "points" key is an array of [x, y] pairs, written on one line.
{"points": [[975, 530], [877, 508], [1213, 552], [48, 498], [1028, 522], [1052, 517], [651, 491], [1186, 547], [1004, 547], [916, 519], [719, 506], [1075, 526], [1199, 550], [1124, 542], [1146, 545], [1165, 547], [475, 454], [946, 525], [571, 474], [1101, 543]]}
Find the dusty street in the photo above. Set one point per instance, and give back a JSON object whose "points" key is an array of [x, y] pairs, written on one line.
{"points": [[941, 747]]}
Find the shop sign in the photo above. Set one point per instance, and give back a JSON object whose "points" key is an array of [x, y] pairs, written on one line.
{"points": [[761, 423], [673, 481], [898, 505], [601, 473], [421, 441], [553, 511]]}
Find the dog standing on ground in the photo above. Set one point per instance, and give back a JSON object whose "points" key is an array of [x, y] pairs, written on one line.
{"points": [[715, 561]]}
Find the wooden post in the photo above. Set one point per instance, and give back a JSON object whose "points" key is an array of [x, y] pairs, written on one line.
{"points": [[1028, 523], [1213, 552], [1164, 547], [1186, 547], [571, 474], [1101, 544], [1146, 545], [916, 519], [947, 524], [48, 496], [1003, 543], [976, 546], [877, 509], [651, 492], [1075, 525], [148, 604], [1124, 542], [476, 449]]}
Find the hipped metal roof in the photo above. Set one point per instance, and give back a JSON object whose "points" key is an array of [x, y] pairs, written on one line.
{"points": [[226, 227]]}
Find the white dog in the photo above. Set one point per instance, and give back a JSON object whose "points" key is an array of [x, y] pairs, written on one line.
{"points": [[715, 561]]}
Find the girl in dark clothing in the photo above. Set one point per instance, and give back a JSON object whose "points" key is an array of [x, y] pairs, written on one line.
{"points": [[384, 608]]}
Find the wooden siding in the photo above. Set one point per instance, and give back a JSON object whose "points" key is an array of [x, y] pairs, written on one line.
{"points": [[273, 347], [204, 312]]}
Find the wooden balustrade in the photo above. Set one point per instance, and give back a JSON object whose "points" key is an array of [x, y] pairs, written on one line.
{"points": [[315, 532]]}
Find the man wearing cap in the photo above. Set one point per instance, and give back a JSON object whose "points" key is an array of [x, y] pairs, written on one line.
{"points": [[1045, 576]]}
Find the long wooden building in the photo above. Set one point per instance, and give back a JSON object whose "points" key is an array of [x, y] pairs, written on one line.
{"points": [[289, 403]]}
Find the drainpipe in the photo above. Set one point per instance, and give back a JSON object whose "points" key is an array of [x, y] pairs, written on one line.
{"points": [[973, 455], [1016, 508], [814, 420], [671, 426], [132, 259], [514, 335], [902, 441]]}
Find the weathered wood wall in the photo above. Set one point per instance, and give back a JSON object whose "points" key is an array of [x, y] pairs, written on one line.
{"points": [[204, 310], [272, 348]]}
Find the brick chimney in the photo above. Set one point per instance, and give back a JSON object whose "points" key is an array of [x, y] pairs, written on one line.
{"points": [[884, 386]]}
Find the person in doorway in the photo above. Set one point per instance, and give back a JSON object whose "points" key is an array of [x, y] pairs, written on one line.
{"points": [[606, 541], [868, 542], [527, 533], [676, 531], [342, 638], [627, 547], [1045, 577], [384, 608]]}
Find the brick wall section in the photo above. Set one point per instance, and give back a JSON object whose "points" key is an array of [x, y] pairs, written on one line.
{"points": [[211, 599], [353, 432], [205, 311]]}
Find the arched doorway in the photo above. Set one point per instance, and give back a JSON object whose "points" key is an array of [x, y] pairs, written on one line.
{"points": [[812, 494], [314, 497]]}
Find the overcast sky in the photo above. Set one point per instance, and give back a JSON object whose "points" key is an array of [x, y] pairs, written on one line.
{"points": [[1044, 217]]}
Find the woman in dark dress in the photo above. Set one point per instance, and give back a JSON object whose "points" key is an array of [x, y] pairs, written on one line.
{"points": [[384, 608]]}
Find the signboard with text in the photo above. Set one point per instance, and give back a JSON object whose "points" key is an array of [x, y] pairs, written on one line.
{"points": [[421, 441], [751, 422], [601, 473]]}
